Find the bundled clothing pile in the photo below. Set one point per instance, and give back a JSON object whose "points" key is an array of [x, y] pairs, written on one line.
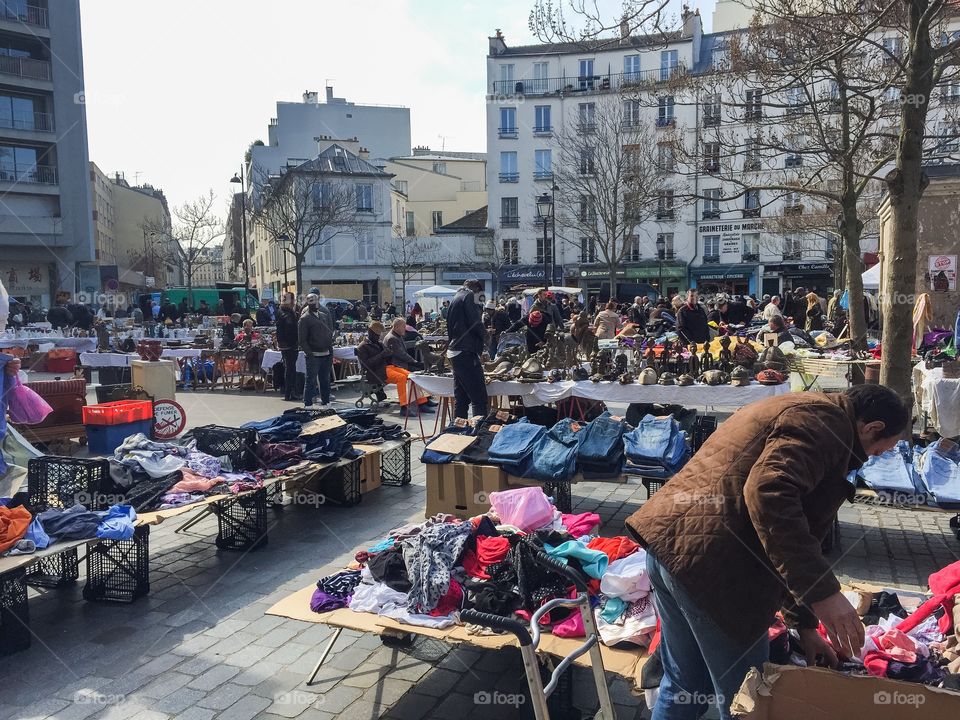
{"points": [[22, 532], [602, 448], [930, 474], [657, 447], [424, 574]]}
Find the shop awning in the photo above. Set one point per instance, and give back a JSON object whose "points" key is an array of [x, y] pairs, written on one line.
{"points": [[871, 278]]}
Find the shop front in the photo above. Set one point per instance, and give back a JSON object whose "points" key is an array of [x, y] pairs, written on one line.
{"points": [[28, 282], [816, 277], [514, 275], [734, 279], [632, 280], [456, 278]]}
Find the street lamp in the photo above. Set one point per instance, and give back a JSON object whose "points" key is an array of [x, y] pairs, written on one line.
{"points": [[544, 213], [283, 240], [243, 224], [661, 254]]}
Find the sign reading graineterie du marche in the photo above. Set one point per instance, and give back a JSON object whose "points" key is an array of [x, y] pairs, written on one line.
{"points": [[169, 419]]}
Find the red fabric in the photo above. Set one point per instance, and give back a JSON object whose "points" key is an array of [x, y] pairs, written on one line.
{"points": [[614, 547], [777, 629], [580, 525], [450, 602], [876, 663], [490, 549], [944, 584], [654, 639]]}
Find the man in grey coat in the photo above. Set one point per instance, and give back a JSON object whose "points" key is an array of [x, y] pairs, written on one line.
{"points": [[315, 331]]}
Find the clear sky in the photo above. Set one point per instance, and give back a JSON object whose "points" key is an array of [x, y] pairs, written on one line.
{"points": [[177, 90]]}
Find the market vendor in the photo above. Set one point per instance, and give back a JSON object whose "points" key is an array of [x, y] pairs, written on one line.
{"points": [[536, 329], [778, 325], [247, 334], [398, 369], [736, 536]]}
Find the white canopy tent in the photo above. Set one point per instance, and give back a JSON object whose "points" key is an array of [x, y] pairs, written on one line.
{"points": [[436, 291], [871, 278]]}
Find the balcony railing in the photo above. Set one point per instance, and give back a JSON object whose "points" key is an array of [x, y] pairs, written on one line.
{"points": [[750, 257], [39, 175], [29, 15], [25, 67], [665, 122], [711, 259], [509, 221], [28, 121], [793, 161], [509, 177], [751, 212], [543, 175], [753, 114], [796, 109], [711, 214], [796, 209], [508, 132], [792, 255], [711, 120], [543, 130], [586, 126], [589, 83]]}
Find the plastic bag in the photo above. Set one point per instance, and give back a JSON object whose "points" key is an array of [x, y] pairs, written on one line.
{"points": [[25, 406], [845, 301], [527, 508]]}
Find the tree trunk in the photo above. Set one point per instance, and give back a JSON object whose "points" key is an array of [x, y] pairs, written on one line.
{"points": [[299, 259], [612, 270], [905, 184], [852, 227]]}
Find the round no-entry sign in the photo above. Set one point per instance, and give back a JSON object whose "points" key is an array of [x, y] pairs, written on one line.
{"points": [[169, 419]]}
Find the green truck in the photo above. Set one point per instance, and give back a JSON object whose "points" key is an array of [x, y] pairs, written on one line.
{"points": [[231, 298]]}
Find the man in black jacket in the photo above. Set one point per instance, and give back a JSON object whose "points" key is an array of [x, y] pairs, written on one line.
{"points": [[467, 339], [287, 343], [692, 320]]}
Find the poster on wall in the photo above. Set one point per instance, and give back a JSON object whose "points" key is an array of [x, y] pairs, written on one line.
{"points": [[943, 273]]}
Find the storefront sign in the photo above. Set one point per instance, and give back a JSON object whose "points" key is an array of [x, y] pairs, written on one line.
{"points": [[26, 279], [521, 274], [461, 276], [730, 245], [800, 269], [943, 272], [735, 227], [637, 273]]}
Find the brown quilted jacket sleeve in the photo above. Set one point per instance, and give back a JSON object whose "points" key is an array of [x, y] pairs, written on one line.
{"points": [[799, 452]]}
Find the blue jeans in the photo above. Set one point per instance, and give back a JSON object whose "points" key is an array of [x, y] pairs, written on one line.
{"points": [[651, 439], [701, 665], [319, 370], [602, 438]]}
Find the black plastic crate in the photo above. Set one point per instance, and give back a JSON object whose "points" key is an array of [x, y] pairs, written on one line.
{"points": [[561, 493], [123, 391], [119, 570], [652, 485], [14, 612], [55, 570], [62, 482], [238, 444], [395, 465], [242, 521], [703, 428], [341, 485]]}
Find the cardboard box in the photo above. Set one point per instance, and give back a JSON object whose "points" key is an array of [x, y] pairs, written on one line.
{"points": [[462, 490], [797, 693], [369, 472]]}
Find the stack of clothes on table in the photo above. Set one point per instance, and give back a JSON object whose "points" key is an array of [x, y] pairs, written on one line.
{"points": [[425, 573], [929, 475], [23, 532], [154, 475], [603, 448]]}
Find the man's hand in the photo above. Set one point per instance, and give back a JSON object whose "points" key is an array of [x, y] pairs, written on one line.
{"points": [[815, 646], [842, 623], [12, 367]]}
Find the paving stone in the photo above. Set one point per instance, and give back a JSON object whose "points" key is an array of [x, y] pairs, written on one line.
{"points": [[246, 708], [256, 674], [249, 656], [437, 683], [223, 697], [337, 700], [164, 685], [196, 713], [179, 701], [214, 677], [453, 707], [366, 676], [158, 665]]}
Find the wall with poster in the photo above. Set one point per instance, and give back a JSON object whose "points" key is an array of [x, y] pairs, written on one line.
{"points": [[29, 282], [942, 271]]}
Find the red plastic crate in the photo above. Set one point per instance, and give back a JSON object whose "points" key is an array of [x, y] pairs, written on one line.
{"points": [[118, 412]]}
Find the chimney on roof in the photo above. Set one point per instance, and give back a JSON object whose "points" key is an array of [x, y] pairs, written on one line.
{"points": [[498, 44], [421, 150], [691, 22], [310, 97], [329, 93], [364, 154], [624, 30]]}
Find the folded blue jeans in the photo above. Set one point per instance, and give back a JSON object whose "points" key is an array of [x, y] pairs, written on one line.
{"points": [[892, 471], [554, 456], [651, 439], [939, 470], [515, 442], [601, 438]]}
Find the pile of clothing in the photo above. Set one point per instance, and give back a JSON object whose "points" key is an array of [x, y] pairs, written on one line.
{"points": [[932, 474], [603, 448], [23, 533], [424, 574]]}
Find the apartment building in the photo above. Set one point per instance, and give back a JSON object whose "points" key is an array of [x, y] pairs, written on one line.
{"points": [[351, 261], [143, 233], [718, 234], [46, 222], [208, 269]]}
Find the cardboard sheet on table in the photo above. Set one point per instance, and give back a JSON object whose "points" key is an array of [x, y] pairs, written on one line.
{"points": [[322, 424], [626, 663], [798, 693], [452, 443]]}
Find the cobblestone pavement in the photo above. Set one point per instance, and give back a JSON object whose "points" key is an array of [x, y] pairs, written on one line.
{"points": [[199, 645]]}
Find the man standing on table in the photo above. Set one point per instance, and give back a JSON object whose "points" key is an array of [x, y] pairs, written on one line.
{"points": [[735, 536], [467, 340]]}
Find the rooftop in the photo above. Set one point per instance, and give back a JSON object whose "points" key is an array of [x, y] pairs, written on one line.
{"points": [[612, 43], [337, 159], [471, 222]]}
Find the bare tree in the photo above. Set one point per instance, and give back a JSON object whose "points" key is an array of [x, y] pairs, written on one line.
{"points": [[586, 23], [302, 209], [408, 255], [196, 229], [489, 256], [612, 178]]}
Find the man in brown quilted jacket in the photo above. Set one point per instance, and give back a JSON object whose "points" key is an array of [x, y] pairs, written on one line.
{"points": [[735, 536]]}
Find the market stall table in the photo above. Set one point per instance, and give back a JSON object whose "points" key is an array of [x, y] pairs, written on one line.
{"points": [[812, 368], [80, 344]]}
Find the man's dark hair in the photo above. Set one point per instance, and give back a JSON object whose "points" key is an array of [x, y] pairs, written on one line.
{"points": [[876, 402]]}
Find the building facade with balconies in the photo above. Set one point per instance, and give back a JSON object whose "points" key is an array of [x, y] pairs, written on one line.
{"points": [[46, 222]]}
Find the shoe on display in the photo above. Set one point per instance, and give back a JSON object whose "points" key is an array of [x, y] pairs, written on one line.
{"points": [[406, 412]]}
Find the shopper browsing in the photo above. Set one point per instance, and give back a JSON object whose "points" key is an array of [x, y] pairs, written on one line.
{"points": [[467, 338], [315, 331], [735, 536]]}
